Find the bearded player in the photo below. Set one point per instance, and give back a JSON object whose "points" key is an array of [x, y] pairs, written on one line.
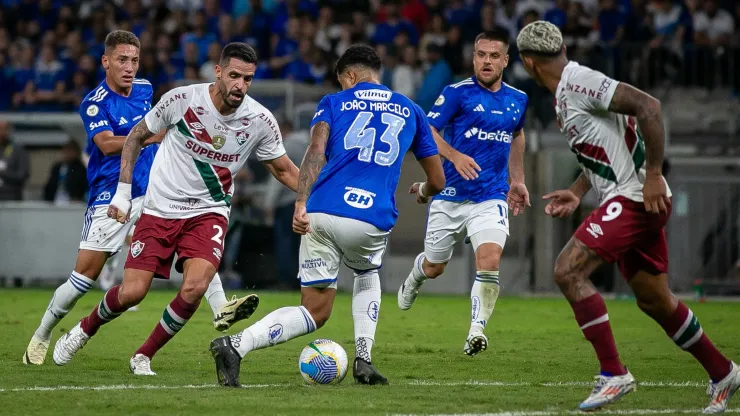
{"points": [[211, 130], [616, 132], [108, 114], [483, 144]]}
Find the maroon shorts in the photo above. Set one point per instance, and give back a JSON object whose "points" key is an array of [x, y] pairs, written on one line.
{"points": [[156, 241], [622, 231]]}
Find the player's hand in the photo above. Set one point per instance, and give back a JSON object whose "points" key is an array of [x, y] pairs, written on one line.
{"points": [[300, 220], [465, 166], [655, 194], [562, 203], [415, 190], [120, 209], [518, 198], [157, 138]]}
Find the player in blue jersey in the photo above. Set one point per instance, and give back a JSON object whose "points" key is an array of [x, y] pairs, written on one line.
{"points": [[108, 113], [483, 122], [345, 210]]}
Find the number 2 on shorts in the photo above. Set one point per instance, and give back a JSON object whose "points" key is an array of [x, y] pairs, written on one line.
{"points": [[219, 233]]}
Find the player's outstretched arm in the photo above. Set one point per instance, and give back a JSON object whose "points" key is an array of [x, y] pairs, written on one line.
{"points": [[518, 196], [284, 170], [464, 164], [647, 111], [435, 182], [113, 145], [313, 162], [581, 186]]}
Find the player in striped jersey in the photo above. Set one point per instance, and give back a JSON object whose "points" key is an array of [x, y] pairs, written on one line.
{"points": [[211, 130], [616, 132]]}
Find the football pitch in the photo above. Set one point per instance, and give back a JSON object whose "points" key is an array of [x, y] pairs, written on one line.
{"points": [[537, 363]]}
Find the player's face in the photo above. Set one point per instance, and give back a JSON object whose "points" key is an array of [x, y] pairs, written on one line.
{"points": [[489, 60], [233, 81], [121, 65]]}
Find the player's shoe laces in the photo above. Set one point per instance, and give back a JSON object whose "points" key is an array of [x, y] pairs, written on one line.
{"points": [[406, 296], [141, 365], [721, 391], [228, 362], [608, 389], [234, 311], [365, 373], [68, 345], [476, 342], [36, 351]]}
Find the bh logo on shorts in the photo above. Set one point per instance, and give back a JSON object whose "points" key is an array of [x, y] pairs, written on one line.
{"points": [[274, 334], [358, 198], [372, 310], [136, 248]]}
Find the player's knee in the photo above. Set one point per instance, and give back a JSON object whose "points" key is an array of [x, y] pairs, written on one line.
{"points": [[432, 270], [131, 294], [562, 275], [489, 262], [657, 305]]}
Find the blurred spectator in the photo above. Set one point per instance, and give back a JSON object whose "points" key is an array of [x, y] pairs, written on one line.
{"points": [[577, 33], [407, 76], [309, 67], [436, 34], [557, 14], [68, 178], [712, 25], [393, 23], [286, 46], [14, 166], [200, 37], [279, 206], [453, 49], [666, 47], [207, 71], [437, 77], [507, 18]]}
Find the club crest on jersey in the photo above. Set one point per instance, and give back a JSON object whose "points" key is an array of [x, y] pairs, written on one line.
{"points": [[136, 248], [218, 141], [241, 137]]}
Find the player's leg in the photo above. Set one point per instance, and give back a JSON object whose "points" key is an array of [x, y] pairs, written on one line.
{"points": [[319, 259], [100, 237], [228, 312], [645, 267], [445, 222]]}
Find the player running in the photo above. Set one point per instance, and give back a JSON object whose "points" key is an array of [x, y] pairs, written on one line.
{"points": [[108, 113], [483, 122], [616, 131], [211, 130], [345, 210]]}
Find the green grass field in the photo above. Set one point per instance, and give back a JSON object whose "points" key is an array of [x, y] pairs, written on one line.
{"points": [[537, 363]]}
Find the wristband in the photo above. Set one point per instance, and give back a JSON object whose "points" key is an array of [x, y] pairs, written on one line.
{"points": [[421, 190], [124, 191]]}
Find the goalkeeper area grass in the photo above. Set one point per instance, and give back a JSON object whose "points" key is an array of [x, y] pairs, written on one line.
{"points": [[537, 362]]}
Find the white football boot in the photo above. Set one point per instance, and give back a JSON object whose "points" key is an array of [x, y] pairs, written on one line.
{"points": [[721, 391], [141, 365], [406, 296], [476, 342], [68, 345], [608, 390], [36, 351], [234, 311]]}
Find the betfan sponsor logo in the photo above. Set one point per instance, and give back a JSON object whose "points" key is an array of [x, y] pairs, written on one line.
{"points": [[499, 136]]}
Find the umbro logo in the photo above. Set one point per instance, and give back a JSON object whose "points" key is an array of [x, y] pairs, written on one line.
{"points": [[122, 121], [595, 230], [479, 108]]}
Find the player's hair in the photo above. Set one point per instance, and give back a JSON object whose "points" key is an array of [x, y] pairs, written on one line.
{"points": [[120, 37], [240, 51], [498, 34], [540, 39], [358, 55]]}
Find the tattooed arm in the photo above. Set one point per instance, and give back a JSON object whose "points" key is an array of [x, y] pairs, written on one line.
{"points": [[314, 160], [131, 148], [581, 186]]}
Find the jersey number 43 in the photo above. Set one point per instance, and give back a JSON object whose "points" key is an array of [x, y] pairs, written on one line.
{"points": [[361, 136]]}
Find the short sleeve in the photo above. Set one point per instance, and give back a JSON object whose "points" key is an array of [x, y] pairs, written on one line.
{"points": [[169, 110], [446, 107], [591, 90], [323, 112], [423, 145], [271, 141], [95, 118]]}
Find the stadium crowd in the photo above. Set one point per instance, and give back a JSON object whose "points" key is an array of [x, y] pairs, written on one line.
{"points": [[50, 49]]}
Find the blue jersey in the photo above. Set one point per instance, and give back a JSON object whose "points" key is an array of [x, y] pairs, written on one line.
{"points": [[371, 129], [481, 124], [104, 109]]}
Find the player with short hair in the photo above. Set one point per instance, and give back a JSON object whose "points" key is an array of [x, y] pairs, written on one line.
{"points": [[483, 122], [345, 210], [616, 132], [211, 130], [108, 114]]}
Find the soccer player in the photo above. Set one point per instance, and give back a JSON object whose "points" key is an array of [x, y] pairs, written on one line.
{"points": [[616, 132], [345, 210], [483, 144], [211, 130]]}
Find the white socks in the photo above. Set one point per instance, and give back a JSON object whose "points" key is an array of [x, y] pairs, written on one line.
{"points": [[277, 327], [417, 277], [215, 295], [64, 299], [483, 297], [365, 309]]}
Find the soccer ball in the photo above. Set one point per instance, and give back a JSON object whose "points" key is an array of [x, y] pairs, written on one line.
{"points": [[323, 362]]}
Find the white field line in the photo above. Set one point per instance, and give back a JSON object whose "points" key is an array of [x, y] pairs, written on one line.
{"points": [[578, 412], [480, 383]]}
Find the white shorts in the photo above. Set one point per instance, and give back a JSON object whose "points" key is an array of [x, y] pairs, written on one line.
{"points": [[483, 222], [100, 233], [334, 240]]}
